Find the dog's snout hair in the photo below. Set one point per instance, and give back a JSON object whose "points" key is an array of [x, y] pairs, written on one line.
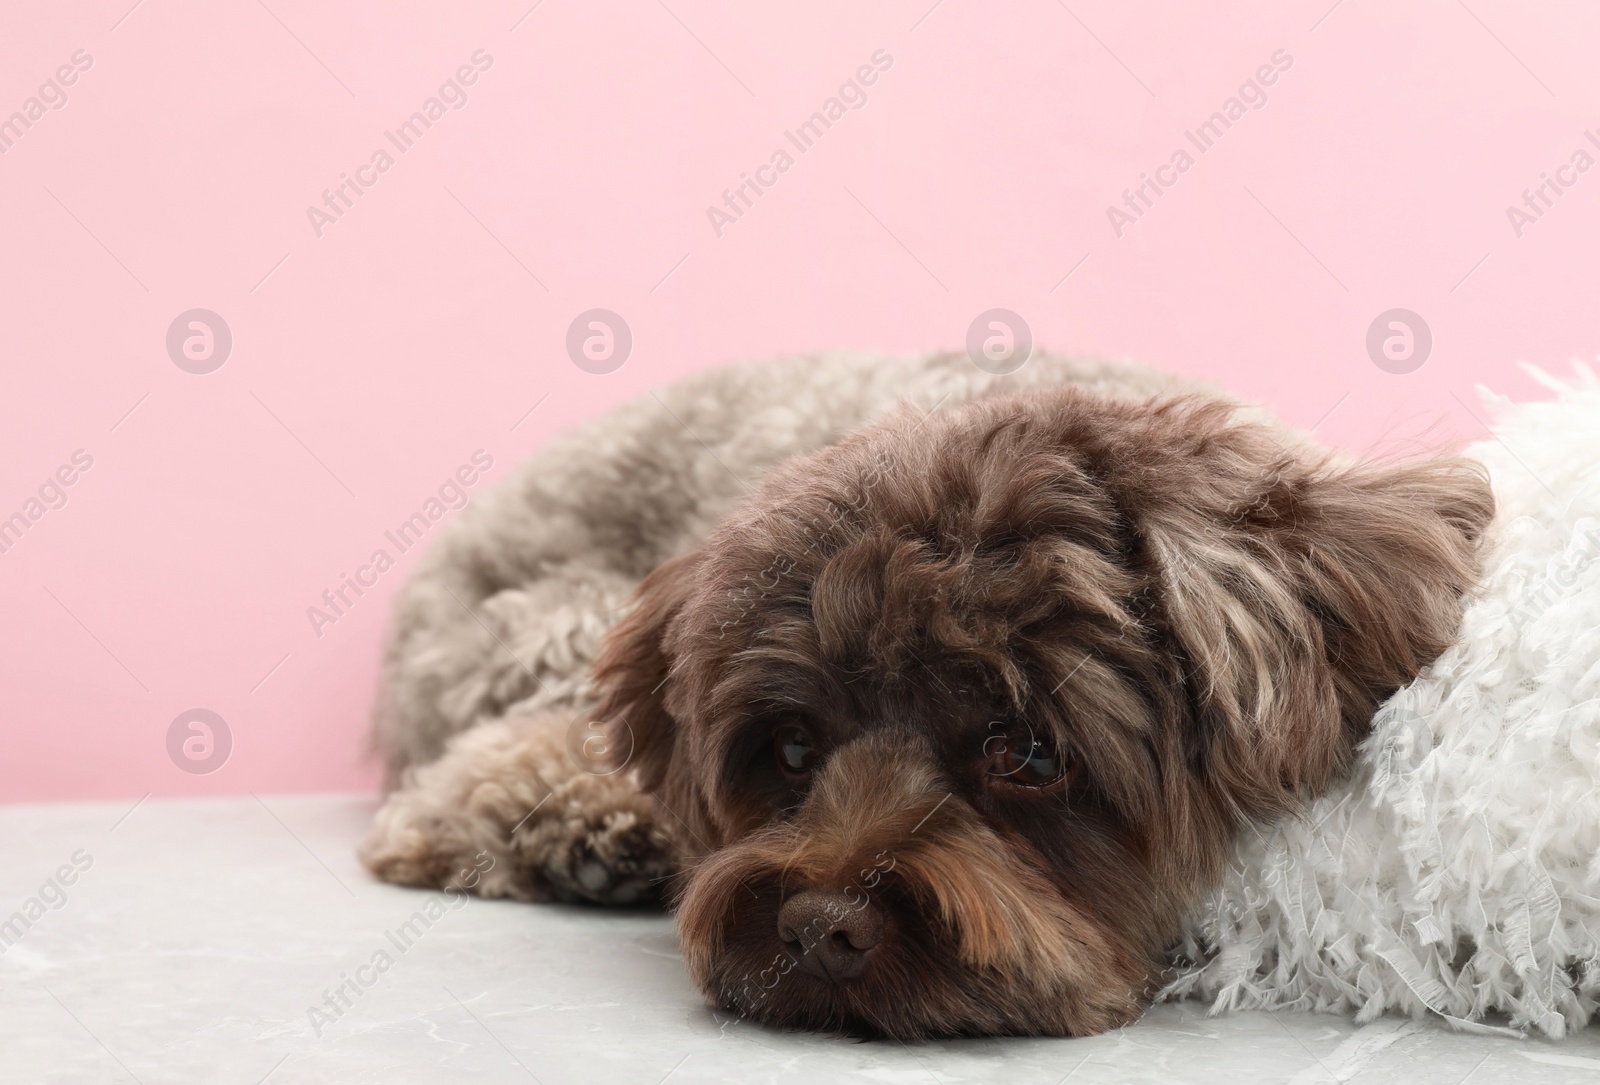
{"points": [[882, 829], [881, 804]]}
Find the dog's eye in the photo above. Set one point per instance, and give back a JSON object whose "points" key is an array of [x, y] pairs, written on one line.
{"points": [[795, 751], [1019, 756]]}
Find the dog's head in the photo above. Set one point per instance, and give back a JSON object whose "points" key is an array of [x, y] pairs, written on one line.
{"points": [[960, 715]]}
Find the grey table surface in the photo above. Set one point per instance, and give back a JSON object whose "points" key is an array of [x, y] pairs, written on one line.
{"points": [[203, 934]]}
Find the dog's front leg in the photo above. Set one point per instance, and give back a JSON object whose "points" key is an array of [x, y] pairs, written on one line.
{"points": [[510, 811]]}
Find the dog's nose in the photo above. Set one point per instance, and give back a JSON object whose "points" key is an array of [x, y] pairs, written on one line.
{"points": [[830, 934]]}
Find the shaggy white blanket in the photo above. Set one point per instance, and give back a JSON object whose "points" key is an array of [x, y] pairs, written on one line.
{"points": [[1459, 872]]}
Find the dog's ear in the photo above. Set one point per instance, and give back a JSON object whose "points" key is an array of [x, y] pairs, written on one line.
{"points": [[631, 673], [1301, 602]]}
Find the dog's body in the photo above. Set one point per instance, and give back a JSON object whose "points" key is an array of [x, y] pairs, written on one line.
{"points": [[951, 717]]}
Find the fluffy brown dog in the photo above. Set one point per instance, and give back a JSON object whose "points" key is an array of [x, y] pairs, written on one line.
{"points": [[1009, 681], [946, 725]]}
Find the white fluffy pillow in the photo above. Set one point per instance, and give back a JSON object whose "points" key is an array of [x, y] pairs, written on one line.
{"points": [[1459, 873]]}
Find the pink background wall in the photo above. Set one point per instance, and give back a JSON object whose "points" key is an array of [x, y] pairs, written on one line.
{"points": [[369, 362]]}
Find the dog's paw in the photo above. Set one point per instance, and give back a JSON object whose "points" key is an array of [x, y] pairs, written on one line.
{"points": [[618, 857], [506, 812]]}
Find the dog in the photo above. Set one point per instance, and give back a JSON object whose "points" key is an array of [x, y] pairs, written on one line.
{"points": [[941, 727]]}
